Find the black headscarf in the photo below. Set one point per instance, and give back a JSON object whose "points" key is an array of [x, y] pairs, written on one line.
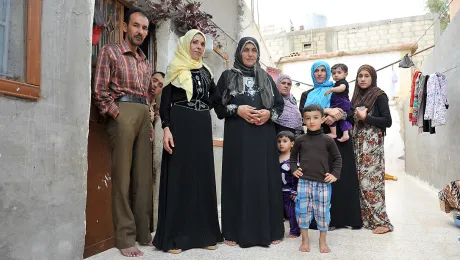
{"points": [[239, 70]]}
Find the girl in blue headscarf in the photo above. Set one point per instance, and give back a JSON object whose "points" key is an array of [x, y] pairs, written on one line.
{"points": [[345, 206]]}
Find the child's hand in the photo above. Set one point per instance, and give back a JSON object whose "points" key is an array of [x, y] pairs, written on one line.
{"points": [[298, 173], [330, 178], [293, 196], [327, 92]]}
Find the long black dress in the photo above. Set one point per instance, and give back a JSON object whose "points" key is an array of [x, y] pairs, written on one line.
{"points": [[252, 201], [345, 207], [187, 214]]}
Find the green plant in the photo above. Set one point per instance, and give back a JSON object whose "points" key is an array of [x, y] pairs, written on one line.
{"points": [[440, 7], [184, 14]]}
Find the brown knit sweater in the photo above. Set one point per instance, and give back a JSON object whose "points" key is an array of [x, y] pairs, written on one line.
{"points": [[314, 150]]}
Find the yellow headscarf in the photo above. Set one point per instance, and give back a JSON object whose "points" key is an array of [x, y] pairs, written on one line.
{"points": [[178, 72]]}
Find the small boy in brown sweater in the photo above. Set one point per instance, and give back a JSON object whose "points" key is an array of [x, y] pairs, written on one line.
{"points": [[314, 190]]}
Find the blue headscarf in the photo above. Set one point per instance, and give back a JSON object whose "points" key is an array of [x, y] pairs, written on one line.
{"points": [[316, 96]]}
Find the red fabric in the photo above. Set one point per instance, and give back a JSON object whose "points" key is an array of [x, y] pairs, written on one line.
{"points": [[412, 93], [97, 30]]}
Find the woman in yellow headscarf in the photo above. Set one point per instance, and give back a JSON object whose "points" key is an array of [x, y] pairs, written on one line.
{"points": [[187, 213]]}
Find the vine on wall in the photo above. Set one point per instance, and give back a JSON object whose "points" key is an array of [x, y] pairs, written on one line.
{"points": [[185, 15]]}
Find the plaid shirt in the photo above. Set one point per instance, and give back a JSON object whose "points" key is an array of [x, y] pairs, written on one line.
{"points": [[119, 72]]}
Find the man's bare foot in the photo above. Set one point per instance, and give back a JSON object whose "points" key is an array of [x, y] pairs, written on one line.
{"points": [[276, 242], [381, 230], [344, 138], [230, 243], [305, 247], [292, 236], [131, 252], [323, 248], [333, 136]]}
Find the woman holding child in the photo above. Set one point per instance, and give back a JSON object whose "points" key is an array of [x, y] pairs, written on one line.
{"points": [[252, 202], [345, 206], [371, 118]]}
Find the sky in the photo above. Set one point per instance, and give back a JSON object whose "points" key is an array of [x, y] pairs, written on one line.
{"points": [[337, 12]]}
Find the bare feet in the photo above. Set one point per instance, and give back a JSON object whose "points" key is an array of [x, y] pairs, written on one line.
{"points": [[344, 138], [148, 244], [131, 252], [276, 242], [305, 246], [175, 251], [292, 236], [210, 247], [323, 248], [381, 230], [230, 243], [333, 136]]}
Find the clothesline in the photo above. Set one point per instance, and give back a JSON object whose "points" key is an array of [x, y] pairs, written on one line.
{"points": [[439, 17], [382, 68]]}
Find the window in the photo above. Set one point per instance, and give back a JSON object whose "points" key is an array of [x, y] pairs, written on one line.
{"points": [[20, 48], [307, 46]]}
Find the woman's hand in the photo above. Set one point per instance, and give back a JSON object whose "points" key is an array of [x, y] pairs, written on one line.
{"points": [[335, 113], [168, 141], [361, 114], [248, 113], [329, 120], [262, 117]]}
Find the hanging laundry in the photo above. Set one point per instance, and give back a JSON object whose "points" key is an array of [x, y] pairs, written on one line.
{"points": [[418, 94], [411, 103], [424, 125], [406, 62], [436, 103]]}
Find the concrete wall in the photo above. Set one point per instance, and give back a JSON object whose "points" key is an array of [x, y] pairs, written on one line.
{"points": [[43, 144], [436, 158], [356, 37]]}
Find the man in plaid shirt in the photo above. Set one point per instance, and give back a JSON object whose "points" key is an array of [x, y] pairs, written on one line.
{"points": [[122, 81]]}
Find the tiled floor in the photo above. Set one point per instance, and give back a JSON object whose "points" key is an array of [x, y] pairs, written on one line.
{"points": [[422, 231]]}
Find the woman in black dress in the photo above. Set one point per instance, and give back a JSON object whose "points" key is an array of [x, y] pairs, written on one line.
{"points": [[345, 207], [252, 201], [187, 214]]}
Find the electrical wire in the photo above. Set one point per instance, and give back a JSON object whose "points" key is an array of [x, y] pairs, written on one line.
{"points": [[439, 17]]}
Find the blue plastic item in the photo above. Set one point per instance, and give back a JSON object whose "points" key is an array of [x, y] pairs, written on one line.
{"points": [[457, 222]]}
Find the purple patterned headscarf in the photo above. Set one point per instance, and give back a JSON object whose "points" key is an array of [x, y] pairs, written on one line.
{"points": [[291, 117], [282, 77]]}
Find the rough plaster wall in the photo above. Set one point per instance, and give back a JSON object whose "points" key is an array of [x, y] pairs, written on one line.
{"points": [[43, 144], [435, 158], [359, 36], [16, 45]]}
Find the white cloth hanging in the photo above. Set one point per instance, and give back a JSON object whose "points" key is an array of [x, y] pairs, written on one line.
{"points": [[436, 100]]}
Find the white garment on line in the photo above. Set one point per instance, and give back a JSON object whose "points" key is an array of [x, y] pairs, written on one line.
{"points": [[436, 100]]}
